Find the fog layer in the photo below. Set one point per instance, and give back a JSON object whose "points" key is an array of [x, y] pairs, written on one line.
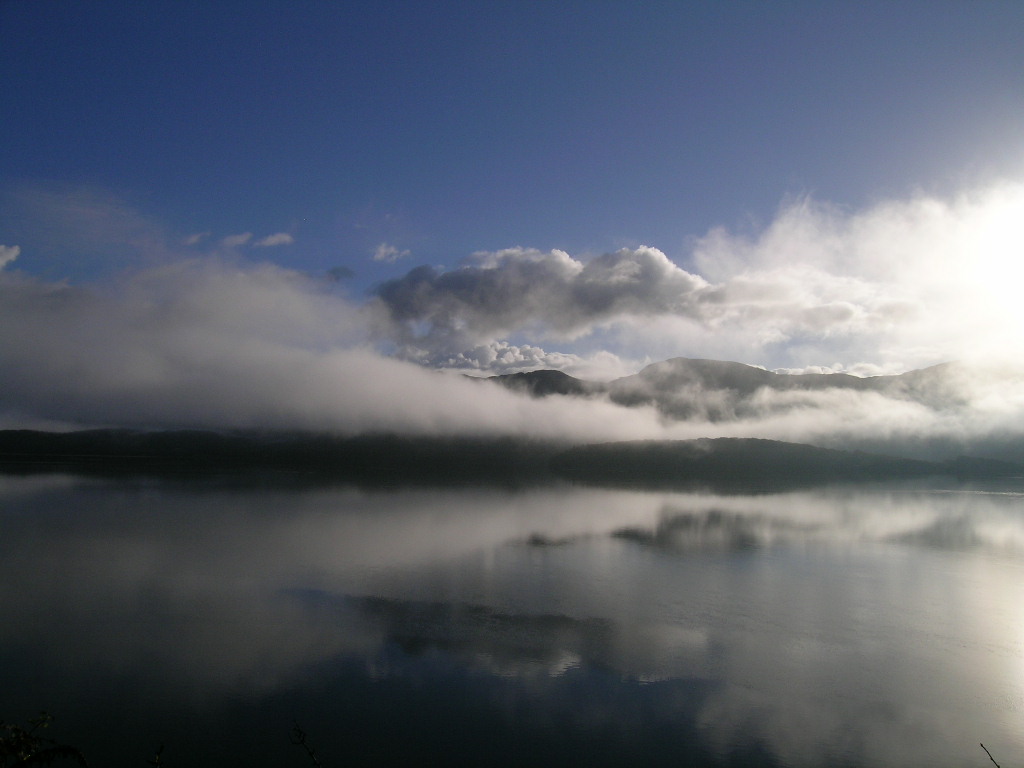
{"points": [[222, 340]]}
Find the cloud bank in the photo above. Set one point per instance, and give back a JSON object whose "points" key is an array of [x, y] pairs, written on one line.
{"points": [[901, 284], [215, 343], [223, 341]]}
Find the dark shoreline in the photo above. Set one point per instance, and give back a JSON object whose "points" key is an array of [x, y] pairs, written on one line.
{"points": [[395, 460]]}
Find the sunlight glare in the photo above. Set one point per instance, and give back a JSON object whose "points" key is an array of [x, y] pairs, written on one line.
{"points": [[994, 257]]}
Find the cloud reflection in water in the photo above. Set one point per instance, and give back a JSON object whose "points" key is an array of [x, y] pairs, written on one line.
{"points": [[877, 627]]}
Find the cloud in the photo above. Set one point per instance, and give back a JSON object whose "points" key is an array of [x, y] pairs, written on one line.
{"points": [[81, 231], [546, 294], [218, 341], [213, 343], [499, 357], [895, 285], [502, 357], [234, 241], [900, 284], [8, 253], [279, 238], [195, 239], [389, 253], [442, 315]]}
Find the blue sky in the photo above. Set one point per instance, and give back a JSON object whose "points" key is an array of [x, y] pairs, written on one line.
{"points": [[446, 128], [495, 186]]}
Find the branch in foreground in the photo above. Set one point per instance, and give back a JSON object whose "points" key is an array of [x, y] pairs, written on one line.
{"points": [[990, 756], [299, 739]]}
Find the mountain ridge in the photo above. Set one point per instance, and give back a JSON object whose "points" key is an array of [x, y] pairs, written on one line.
{"points": [[683, 388], [711, 371]]}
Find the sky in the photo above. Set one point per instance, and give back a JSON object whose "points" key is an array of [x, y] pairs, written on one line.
{"points": [[195, 192]]}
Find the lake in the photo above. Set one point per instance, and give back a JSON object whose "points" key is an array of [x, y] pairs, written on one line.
{"points": [[869, 626]]}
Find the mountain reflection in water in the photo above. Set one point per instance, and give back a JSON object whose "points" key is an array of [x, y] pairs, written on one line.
{"points": [[476, 626]]}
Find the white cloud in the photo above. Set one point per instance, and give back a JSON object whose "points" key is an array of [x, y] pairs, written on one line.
{"points": [[925, 278], [195, 239], [389, 253], [208, 343], [896, 285], [235, 241], [900, 284], [279, 238], [8, 253], [211, 343], [502, 357]]}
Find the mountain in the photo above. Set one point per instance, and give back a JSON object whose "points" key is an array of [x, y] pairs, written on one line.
{"points": [[547, 382], [684, 388], [716, 390]]}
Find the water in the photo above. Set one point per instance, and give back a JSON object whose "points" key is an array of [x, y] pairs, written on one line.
{"points": [[866, 627]]}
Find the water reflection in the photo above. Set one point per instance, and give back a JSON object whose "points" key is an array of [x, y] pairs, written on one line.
{"points": [[877, 627]]}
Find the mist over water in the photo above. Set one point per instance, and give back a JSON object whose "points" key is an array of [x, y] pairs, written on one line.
{"points": [[211, 339], [474, 384], [879, 626]]}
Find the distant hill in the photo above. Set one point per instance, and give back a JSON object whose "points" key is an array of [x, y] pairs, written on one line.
{"points": [[716, 390], [389, 460], [547, 382]]}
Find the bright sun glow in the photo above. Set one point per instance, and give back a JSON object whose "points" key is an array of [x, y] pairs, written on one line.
{"points": [[983, 272], [994, 254]]}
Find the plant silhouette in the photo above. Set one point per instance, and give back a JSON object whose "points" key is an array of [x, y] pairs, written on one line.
{"points": [[21, 745]]}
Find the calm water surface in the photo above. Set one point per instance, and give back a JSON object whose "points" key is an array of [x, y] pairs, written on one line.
{"points": [[872, 627]]}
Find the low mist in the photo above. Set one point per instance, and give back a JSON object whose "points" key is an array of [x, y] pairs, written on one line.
{"points": [[221, 341]]}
